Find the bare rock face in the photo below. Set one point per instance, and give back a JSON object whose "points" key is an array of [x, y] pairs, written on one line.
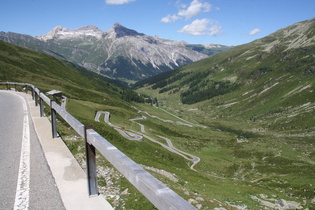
{"points": [[118, 31], [118, 53]]}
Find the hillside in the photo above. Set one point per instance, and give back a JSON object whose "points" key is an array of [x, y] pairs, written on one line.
{"points": [[118, 52], [46, 72], [271, 75], [257, 101]]}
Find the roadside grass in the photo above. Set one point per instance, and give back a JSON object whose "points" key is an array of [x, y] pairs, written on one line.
{"points": [[128, 196], [133, 199]]}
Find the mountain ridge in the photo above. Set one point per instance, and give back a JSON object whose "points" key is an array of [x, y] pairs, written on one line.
{"points": [[287, 53], [119, 52], [62, 32], [116, 31]]}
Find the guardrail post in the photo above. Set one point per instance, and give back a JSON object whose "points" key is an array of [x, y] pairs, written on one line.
{"points": [[36, 99], [53, 120], [41, 107], [33, 93], [7, 86], [15, 87], [90, 164]]}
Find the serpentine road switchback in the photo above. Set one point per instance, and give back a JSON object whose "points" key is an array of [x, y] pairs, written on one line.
{"points": [[134, 135]]}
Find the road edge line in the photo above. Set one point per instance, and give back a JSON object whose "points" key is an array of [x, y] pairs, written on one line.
{"points": [[23, 183]]}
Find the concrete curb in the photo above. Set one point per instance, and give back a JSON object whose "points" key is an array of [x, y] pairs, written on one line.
{"points": [[69, 176]]}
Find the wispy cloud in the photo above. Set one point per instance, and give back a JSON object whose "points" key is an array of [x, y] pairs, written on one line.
{"points": [[170, 18], [202, 27], [117, 2], [195, 8], [254, 31]]}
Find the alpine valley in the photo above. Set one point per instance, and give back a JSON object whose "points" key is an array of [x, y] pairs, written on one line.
{"points": [[235, 130], [118, 53]]}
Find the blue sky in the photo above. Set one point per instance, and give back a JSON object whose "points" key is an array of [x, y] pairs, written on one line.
{"points": [[228, 22]]}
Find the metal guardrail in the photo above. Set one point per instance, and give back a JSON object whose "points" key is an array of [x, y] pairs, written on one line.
{"points": [[154, 190]]}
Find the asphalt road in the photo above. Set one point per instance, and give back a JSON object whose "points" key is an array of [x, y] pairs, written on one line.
{"points": [[30, 175]]}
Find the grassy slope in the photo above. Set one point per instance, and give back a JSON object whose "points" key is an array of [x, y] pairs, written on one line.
{"points": [[238, 145], [47, 73], [87, 93], [261, 134]]}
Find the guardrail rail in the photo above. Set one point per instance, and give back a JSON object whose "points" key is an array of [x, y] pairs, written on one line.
{"points": [[154, 190]]}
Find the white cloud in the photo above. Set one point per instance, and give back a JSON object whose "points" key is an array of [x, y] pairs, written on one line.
{"points": [[180, 5], [118, 1], [195, 8], [254, 31], [215, 30], [170, 18], [201, 27]]}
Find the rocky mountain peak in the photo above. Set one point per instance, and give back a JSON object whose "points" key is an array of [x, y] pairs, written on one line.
{"points": [[58, 28], [90, 28], [51, 34], [117, 25], [60, 32], [117, 31]]}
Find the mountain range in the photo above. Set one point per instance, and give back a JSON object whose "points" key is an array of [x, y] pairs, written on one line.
{"points": [[118, 53]]}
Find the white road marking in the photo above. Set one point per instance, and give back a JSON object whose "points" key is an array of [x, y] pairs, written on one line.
{"points": [[23, 184]]}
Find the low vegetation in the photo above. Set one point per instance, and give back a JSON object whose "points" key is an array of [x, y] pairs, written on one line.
{"points": [[253, 131], [257, 102]]}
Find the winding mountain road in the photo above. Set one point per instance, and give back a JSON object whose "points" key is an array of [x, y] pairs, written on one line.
{"points": [[134, 135], [126, 134], [192, 158]]}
